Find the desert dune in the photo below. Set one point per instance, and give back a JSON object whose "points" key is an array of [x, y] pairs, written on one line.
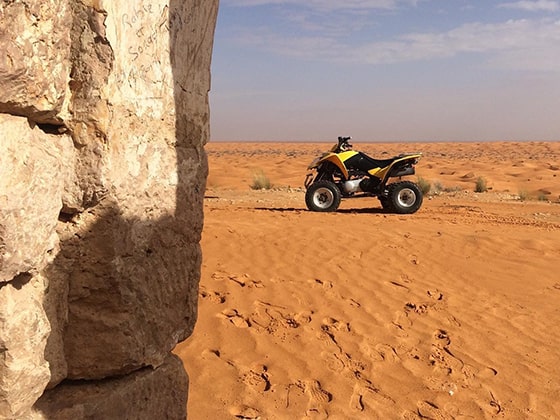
{"points": [[448, 313]]}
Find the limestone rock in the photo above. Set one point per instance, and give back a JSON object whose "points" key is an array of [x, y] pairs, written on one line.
{"points": [[31, 189], [145, 394], [34, 64], [55, 304], [24, 328], [131, 294], [104, 116], [133, 257]]}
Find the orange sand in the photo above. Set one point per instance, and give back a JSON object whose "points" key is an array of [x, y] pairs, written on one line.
{"points": [[452, 312]]}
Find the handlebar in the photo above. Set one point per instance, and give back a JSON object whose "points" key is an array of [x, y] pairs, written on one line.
{"points": [[343, 143]]}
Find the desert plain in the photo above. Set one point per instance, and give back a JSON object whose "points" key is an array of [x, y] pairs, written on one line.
{"points": [[449, 313]]}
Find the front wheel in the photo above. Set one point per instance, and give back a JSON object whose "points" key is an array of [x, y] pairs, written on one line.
{"points": [[322, 196], [403, 198]]}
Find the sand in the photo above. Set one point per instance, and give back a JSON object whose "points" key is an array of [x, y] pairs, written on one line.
{"points": [[449, 313]]}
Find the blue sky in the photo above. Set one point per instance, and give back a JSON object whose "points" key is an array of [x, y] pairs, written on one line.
{"points": [[386, 70]]}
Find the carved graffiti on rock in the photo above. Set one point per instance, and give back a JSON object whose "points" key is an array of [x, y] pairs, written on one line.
{"points": [[140, 42]]}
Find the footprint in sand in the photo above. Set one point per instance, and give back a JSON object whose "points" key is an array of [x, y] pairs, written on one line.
{"points": [[441, 357], [242, 280], [442, 338], [435, 294], [366, 393], [271, 317], [235, 318], [210, 354], [246, 281], [316, 392], [331, 323], [245, 412], [429, 410], [352, 302], [317, 397], [257, 378], [333, 362], [420, 308], [402, 321], [356, 400], [487, 372], [304, 317], [316, 413], [495, 406], [212, 296], [324, 284], [328, 340], [387, 353]]}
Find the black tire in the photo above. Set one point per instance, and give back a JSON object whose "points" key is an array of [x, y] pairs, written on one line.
{"points": [[404, 197], [322, 196]]}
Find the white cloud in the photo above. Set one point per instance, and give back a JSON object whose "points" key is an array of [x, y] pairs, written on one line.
{"points": [[515, 44], [533, 6], [328, 5]]}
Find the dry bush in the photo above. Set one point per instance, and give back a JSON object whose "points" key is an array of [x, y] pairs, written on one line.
{"points": [[260, 181], [424, 184], [481, 185]]}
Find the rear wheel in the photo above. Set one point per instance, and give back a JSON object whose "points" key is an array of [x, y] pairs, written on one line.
{"points": [[403, 198], [322, 196]]}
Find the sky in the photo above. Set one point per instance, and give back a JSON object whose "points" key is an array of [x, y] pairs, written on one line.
{"points": [[386, 70]]}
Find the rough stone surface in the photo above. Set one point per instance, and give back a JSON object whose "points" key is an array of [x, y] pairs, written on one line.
{"points": [[34, 64], [134, 256], [24, 328], [104, 116], [32, 178], [55, 304], [130, 299], [145, 394]]}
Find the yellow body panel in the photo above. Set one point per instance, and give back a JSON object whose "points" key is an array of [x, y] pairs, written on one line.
{"points": [[375, 172], [344, 156], [339, 158]]}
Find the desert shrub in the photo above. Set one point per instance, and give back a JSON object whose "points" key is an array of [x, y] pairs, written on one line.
{"points": [[523, 195], [542, 197], [481, 185], [425, 185], [260, 181], [437, 187], [454, 189]]}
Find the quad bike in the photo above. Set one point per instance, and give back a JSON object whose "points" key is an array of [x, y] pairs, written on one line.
{"points": [[343, 173]]}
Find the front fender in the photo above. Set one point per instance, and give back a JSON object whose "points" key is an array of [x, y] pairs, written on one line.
{"points": [[333, 158]]}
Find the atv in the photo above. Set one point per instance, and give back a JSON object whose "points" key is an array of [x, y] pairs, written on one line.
{"points": [[344, 173]]}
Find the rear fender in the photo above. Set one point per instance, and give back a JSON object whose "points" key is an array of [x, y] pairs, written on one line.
{"points": [[393, 171]]}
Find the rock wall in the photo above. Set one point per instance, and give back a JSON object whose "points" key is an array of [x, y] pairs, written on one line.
{"points": [[103, 118]]}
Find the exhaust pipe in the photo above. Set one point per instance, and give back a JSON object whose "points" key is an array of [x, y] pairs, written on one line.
{"points": [[352, 186]]}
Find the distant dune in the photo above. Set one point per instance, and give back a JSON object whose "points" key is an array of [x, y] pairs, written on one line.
{"points": [[451, 312]]}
